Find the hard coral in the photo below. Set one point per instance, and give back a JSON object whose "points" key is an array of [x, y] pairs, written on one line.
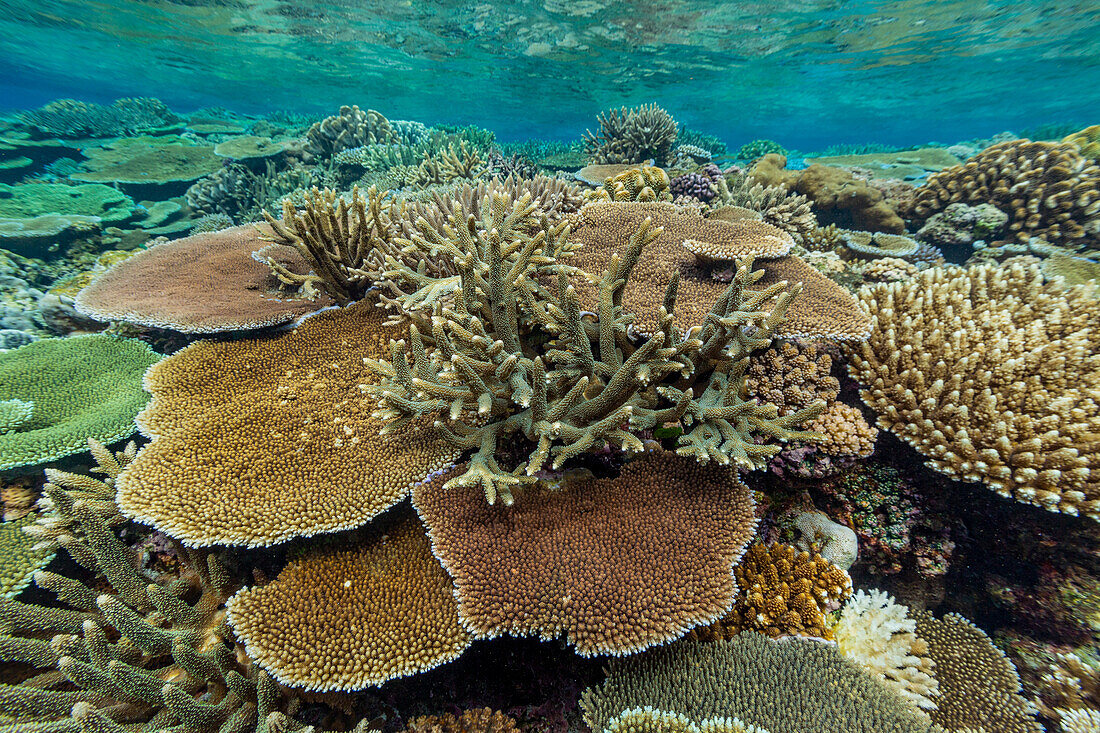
{"points": [[479, 720], [1048, 190], [350, 128], [987, 372], [644, 183], [262, 439], [615, 564], [784, 686], [342, 618], [632, 136]]}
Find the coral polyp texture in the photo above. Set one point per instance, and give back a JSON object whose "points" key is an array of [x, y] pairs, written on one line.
{"points": [[787, 686], [823, 309], [991, 373], [70, 390], [632, 136], [262, 439], [644, 183], [345, 618], [202, 284], [783, 592], [20, 557], [648, 720], [978, 686], [478, 720], [1049, 190], [613, 564], [350, 128]]}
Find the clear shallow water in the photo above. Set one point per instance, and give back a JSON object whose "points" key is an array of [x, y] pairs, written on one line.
{"points": [[804, 73]]}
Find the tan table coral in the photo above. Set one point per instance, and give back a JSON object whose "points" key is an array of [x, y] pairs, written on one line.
{"points": [[992, 374], [616, 565], [262, 439]]}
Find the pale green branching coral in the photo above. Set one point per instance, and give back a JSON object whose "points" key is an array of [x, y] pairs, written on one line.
{"points": [[509, 352], [19, 556]]}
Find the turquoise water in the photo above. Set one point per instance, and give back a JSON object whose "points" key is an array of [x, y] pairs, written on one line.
{"points": [[798, 72]]}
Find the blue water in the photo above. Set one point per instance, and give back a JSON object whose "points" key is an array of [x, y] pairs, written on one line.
{"points": [[805, 73]]}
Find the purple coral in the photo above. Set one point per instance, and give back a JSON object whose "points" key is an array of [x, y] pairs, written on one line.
{"points": [[702, 185]]}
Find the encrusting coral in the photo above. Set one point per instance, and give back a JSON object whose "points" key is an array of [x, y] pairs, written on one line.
{"points": [[991, 373], [835, 542], [978, 686], [482, 386], [786, 686], [205, 283], [632, 136], [614, 564], [80, 387], [1049, 190], [345, 618], [783, 592], [262, 439], [878, 635]]}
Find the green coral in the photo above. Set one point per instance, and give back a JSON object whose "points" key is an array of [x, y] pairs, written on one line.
{"points": [[514, 356], [19, 558], [784, 686], [70, 118], [14, 414], [759, 148], [82, 387], [148, 161], [28, 200]]}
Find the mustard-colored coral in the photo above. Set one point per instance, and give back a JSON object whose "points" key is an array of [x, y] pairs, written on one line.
{"points": [[644, 183], [261, 439], [783, 592], [792, 376], [845, 432], [614, 564], [1087, 141], [478, 720], [992, 374], [341, 618]]}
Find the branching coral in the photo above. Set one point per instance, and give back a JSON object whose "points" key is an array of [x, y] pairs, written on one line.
{"points": [[632, 136], [478, 720], [482, 383], [992, 374], [648, 720], [19, 556], [783, 592], [878, 635], [351, 128], [791, 212], [1048, 190], [645, 183], [614, 564]]}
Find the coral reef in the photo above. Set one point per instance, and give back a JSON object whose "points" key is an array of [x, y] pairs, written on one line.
{"points": [[978, 686], [817, 534], [776, 205], [792, 376], [878, 635], [614, 564], [480, 720], [28, 200], [644, 183], [1048, 190], [1087, 141], [344, 618], [173, 285], [70, 118], [648, 720], [19, 556], [350, 128], [80, 387], [701, 185], [988, 372], [876, 244], [632, 136], [757, 149], [782, 686], [960, 225], [262, 439]]}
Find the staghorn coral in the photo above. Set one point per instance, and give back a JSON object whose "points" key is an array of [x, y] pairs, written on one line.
{"points": [[644, 183], [204, 283], [19, 556], [478, 720], [614, 564], [877, 634], [345, 618], [481, 386], [978, 685], [989, 372], [823, 310], [632, 136], [1069, 683], [648, 720], [783, 592], [785, 686], [350, 128], [1048, 190], [81, 387], [266, 438]]}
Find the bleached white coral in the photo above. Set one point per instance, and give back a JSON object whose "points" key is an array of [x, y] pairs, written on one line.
{"points": [[876, 633]]}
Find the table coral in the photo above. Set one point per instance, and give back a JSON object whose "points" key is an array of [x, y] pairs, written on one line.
{"points": [[978, 685], [345, 618], [28, 200], [613, 564], [266, 438], [81, 387], [783, 686], [987, 372], [204, 283], [1048, 190], [789, 211]]}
